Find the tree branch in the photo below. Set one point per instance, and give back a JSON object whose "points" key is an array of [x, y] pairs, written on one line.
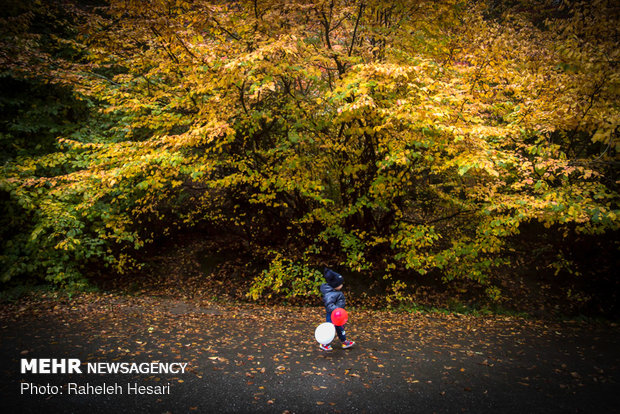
{"points": [[437, 219], [357, 21]]}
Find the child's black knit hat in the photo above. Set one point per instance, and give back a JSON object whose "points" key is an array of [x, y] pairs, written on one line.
{"points": [[333, 279]]}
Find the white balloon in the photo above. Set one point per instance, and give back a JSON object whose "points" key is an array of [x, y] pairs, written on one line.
{"points": [[324, 333]]}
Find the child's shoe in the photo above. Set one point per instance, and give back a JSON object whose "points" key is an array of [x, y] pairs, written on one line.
{"points": [[326, 347], [347, 344]]}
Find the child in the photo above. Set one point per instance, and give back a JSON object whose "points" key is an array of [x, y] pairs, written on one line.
{"points": [[334, 298]]}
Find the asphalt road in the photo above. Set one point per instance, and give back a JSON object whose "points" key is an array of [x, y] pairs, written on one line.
{"points": [[255, 359]]}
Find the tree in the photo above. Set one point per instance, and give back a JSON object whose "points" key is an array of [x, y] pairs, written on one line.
{"points": [[409, 135]]}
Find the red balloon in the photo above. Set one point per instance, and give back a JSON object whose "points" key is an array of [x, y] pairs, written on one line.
{"points": [[339, 316]]}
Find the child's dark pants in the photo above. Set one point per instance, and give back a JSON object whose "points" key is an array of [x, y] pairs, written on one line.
{"points": [[339, 329]]}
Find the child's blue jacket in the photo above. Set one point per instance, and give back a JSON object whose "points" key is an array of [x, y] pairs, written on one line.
{"points": [[332, 298]]}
